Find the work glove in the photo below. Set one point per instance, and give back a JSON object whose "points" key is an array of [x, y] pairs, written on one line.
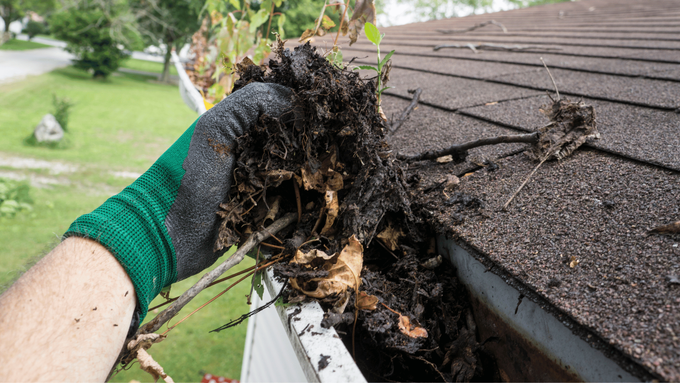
{"points": [[163, 227]]}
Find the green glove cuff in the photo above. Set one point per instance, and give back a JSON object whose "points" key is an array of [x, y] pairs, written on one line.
{"points": [[131, 224]]}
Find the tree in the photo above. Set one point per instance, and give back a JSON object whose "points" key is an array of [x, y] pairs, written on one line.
{"points": [[168, 22], [34, 28], [12, 10], [97, 32]]}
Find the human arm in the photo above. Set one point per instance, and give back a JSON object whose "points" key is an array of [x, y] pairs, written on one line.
{"points": [[67, 317]]}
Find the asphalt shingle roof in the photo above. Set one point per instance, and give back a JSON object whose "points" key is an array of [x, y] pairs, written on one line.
{"points": [[623, 57]]}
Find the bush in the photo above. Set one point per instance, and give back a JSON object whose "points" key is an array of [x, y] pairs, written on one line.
{"points": [[61, 110], [14, 198], [34, 28], [89, 34]]}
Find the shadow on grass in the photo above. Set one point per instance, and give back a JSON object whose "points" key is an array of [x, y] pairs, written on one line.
{"points": [[62, 144]]}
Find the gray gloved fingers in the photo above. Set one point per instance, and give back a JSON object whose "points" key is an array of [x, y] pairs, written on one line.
{"points": [[192, 220]]}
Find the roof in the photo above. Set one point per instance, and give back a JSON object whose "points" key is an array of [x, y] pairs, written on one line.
{"points": [[622, 57]]}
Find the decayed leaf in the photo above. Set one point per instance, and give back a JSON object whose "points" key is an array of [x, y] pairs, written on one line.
{"points": [[310, 180], [273, 209], [343, 272], [306, 35], [149, 365], [366, 302], [364, 11], [445, 159], [673, 228], [390, 237], [276, 177], [306, 258], [231, 215], [332, 208], [409, 329], [571, 124], [138, 347]]}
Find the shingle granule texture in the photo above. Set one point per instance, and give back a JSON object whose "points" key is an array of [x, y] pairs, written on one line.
{"points": [[595, 209], [622, 57]]}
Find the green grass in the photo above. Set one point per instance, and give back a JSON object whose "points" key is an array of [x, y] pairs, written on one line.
{"points": [[21, 45], [121, 124], [147, 66], [190, 349], [124, 122]]}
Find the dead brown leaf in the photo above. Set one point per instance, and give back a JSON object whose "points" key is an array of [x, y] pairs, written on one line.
{"points": [[306, 35], [343, 272], [673, 228], [573, 262], [310, 180], [366, 302], [390, 237], [409, 329], [307, 258], [571, 125], [364, 11], [332, 208], [149, 365]]}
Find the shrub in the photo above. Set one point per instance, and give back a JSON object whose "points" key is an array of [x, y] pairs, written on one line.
{"points": [[95, 36], [62, 106], [14, 198], [34, 28]]}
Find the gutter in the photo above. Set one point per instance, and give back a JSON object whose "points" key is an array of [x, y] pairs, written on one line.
{"points": [[187, 90]]}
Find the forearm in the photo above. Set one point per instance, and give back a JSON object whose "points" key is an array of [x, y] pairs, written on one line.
{"points": [[66, 319]]}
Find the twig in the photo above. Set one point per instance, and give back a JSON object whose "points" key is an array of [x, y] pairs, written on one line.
{"points": [[454, 31], [496, 47], [553, 80], [299, 202], [525, 182], [404, 114], [461, 148], [209, 277]]}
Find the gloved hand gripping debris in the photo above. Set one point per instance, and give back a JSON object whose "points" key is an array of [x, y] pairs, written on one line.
{"points": [[163, 227]]}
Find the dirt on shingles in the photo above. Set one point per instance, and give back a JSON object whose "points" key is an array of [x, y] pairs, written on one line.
{"points": [[591, 211], [331, 150]]}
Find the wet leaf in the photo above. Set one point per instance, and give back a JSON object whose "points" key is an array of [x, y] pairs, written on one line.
{"points": [[673, 228], [364, 11], [409, 329], [343, 272], [332, 208], [366, 302], [390, 237]]}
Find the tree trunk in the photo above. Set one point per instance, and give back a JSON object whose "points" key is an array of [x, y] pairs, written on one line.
{"points": [[165, 76]]}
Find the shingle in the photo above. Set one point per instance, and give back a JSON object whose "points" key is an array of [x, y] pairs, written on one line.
{"points": [[645, 134], [597, 209], [451, 92]]}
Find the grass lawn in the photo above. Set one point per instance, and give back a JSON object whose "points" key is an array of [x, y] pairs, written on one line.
{"points": [[147, 66], [21, 45], [121, 124]]}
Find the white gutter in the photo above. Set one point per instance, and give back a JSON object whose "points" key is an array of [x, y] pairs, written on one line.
{"points": [[190, 95]]}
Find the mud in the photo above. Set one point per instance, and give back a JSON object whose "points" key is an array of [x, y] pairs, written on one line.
{"points": [[327, 159]]}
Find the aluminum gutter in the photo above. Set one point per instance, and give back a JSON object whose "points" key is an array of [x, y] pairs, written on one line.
{"points": [[312, 342], [543, 331]]}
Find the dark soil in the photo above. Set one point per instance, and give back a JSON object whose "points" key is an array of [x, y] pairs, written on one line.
{"points": [[333, 141]]}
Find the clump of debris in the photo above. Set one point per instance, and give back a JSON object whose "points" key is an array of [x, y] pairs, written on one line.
{"points": [[357, 247]]}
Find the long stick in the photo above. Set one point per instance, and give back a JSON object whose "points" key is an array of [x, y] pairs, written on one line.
{"points": [[209, 277], [524, 183], [404, 115], [433, 154], [494, 22]]}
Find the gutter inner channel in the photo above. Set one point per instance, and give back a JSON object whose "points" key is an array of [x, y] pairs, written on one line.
{"points": [[529, 343]]}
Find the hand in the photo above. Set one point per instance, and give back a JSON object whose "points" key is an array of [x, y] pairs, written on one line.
{"points": [[163, 227]]}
